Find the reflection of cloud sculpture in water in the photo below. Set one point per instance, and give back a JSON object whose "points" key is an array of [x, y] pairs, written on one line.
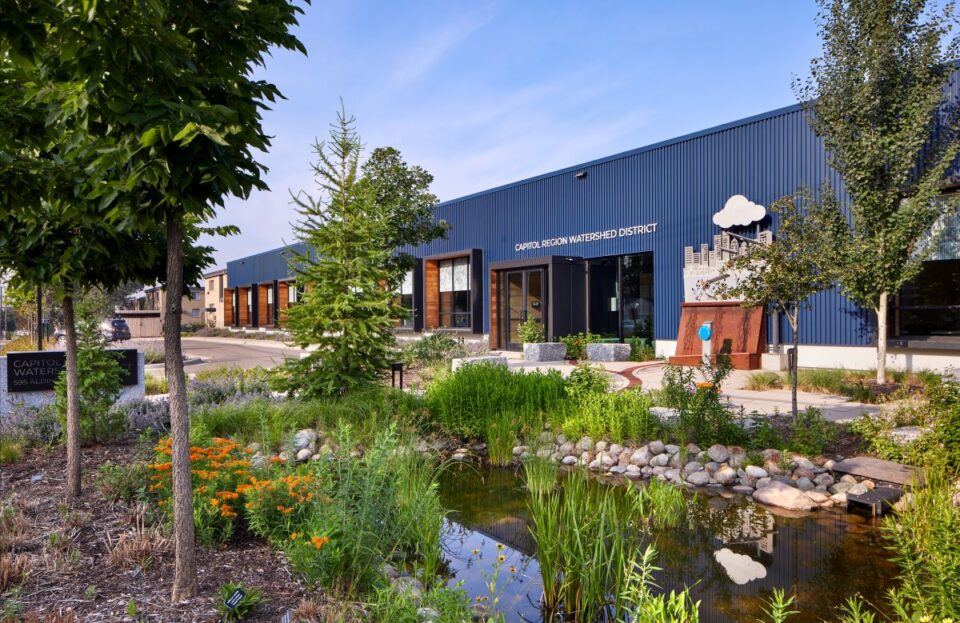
{"points": [[740, 567], [738, 210]]}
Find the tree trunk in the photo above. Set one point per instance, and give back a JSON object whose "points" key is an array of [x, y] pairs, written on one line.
{"points": [[73, 401], [882, 339], [795, 364], [185, 568]]}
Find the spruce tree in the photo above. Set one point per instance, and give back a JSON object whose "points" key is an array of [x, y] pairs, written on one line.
{"points": [[353, 229]]}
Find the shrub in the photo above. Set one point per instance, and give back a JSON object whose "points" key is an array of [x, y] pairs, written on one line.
{"points": [[762, 381], [463, 403], [587, 379], [702, 415], [145, 415], [577, 344], [431, 349], [26, 343], [252, 597], [763, 435], [32, 424], [810, 434], [218, 385], [619, 416], [531, 331], [641, 349], [154, 385], [99, 383], [154, 354]]}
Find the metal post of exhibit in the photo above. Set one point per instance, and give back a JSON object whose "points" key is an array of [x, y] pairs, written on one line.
{"points": [[396, 366]]}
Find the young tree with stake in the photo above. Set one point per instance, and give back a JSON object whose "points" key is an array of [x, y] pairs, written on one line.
{"points": [[785, 273]]}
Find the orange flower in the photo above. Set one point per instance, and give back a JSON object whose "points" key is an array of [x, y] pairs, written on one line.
{"points": [[294, 536], [319, 541], [161, 467], [215, 501], [277, 460], [227, 495]]}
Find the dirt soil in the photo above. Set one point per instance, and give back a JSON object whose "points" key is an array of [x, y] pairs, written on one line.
{"points": [[72, 571]]}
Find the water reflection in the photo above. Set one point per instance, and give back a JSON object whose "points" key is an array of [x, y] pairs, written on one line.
{"points": [[732, 552]]}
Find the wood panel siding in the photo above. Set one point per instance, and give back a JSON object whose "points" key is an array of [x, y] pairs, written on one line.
{"points": [[227, 307], [431, 294], [242, 302], [264, 318], [282, 298]]}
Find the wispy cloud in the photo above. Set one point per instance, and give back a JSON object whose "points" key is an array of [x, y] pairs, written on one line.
{"points": [[432, 47]]}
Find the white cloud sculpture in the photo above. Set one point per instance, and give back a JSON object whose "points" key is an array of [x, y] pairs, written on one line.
{"points": [[740, 567], [738, 210]]}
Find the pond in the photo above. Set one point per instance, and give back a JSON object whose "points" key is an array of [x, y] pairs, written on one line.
{"points": [[732, 552]]}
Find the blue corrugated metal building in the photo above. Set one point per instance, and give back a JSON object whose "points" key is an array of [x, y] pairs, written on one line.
{"points": [[602, 247]]}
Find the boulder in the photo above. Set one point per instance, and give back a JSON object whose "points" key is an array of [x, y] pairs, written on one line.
{"points": [[569, 460], [692, 449], [567, 447], [586, 444], [857, 489], [633, 471], [718, 453], [656, 447], [763, 482], [660, 460], [672, 474], [304, 455], [755, 472], [726, 475], [782, 496], [601, 446], [616, 449], [698, 479], [671, 448], [640, 457], [608, 352], [692, 467], [805, 484], [840, 487], [743, 489], [303, 438], [817, 497], [545, 351], [823, 479]]}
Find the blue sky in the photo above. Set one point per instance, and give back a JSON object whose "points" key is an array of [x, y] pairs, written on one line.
{"points": [[485, 93]]}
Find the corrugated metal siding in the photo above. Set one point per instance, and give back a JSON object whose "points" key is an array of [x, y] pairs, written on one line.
{"points": [[263, 267], [679, 185]]}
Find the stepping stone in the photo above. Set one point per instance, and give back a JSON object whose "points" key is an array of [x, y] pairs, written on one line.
{"points": [[876, 469]]}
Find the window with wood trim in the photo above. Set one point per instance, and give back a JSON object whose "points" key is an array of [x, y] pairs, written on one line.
{"points": [[454, 296]]}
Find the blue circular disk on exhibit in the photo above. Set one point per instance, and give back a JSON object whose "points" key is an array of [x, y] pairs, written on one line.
{"points": [[704, 332]]}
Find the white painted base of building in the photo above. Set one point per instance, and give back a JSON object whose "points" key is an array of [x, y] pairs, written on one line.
{"points": [[848, 357]]}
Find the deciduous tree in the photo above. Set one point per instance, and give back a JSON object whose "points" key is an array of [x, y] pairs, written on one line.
{"points": [[877, 99], [800, 262]]}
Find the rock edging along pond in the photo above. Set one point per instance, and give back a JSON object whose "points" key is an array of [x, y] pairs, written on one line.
{"points": [[771, 477]]}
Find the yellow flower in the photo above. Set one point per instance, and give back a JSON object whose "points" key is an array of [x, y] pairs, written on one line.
{"points": [[500, 546], [512, 569], [475, 552], [501, 558]]}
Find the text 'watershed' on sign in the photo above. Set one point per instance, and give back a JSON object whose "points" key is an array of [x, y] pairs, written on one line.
{"points": [[591, 236]]}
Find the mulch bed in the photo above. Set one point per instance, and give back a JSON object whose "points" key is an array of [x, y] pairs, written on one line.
{"points": [[60, 580]]}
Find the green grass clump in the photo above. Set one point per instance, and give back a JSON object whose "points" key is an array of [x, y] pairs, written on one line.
{"points": [[618, 416], [464, 402], [585, 547], [10, 450], [762, 381], [500, 436], [661, 505], [154, 385], [540, 474]]}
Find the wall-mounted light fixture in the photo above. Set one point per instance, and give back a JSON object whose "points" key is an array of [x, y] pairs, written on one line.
{"points": [[580, 175]]}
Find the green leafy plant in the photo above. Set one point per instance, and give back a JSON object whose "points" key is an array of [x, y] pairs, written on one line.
{"points": [[155, 385], [433, 348], [123, 483], [540, 474], [577, 344], [659, 504], [586, 380], [642, 602], [641, 349], [501, 437], [531, 331], [252, 597], [811, 433], [99, 383]]}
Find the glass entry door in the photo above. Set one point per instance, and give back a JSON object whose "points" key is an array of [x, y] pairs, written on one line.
{"points": [[525, 298]]}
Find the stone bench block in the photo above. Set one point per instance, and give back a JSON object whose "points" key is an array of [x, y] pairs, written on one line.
{"points": [[608, 352], [485, 360], [545, 351]]}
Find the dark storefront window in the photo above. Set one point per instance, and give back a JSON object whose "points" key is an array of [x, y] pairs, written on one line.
{"points": [[455, 293], [620, 297], [405, 300], [930, 304]]}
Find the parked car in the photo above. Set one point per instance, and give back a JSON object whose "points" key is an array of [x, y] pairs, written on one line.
{"points": [[115, 330]]}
